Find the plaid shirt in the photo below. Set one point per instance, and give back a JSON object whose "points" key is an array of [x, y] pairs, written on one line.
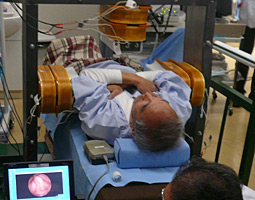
{"points": [[79, 52]]}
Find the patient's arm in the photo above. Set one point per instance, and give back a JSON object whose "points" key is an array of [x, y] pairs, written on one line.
{"points": [[109, 76], [101, 118], [114, 76], [176, 92]]}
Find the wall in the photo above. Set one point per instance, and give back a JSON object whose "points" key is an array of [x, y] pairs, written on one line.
{"points": [[64, 13], [51, 14]]}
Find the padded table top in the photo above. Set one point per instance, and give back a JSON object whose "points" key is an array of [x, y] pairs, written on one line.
{"points": [[139, 183]]}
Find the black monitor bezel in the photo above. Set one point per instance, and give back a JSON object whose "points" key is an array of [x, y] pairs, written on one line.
{"points": [[15, 165]]}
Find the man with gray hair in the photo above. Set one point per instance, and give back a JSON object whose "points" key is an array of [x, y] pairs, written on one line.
{"points": [[114, 101]]}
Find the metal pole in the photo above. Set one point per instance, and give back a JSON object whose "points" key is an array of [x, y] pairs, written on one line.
{"points": [[222, 129], [30, 79], [248, 151]]}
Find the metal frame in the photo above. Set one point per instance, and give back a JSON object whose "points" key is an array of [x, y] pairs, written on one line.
{"points": [[246, 103], [249, 145], [198, 37], [139, 2]]}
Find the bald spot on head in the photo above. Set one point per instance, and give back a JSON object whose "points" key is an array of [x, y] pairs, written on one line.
{"points": [[157, 114]]}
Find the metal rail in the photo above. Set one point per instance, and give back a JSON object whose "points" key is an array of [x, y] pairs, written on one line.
{"points": [[102, 2], [197, 52]]}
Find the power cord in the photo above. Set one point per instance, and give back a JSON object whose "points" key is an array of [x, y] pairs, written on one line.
{"points": [[13, 107], [206, 145], [8, 131], [108, 168]]}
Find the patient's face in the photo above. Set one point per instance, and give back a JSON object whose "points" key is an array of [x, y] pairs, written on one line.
{"points": [[150, 108]]}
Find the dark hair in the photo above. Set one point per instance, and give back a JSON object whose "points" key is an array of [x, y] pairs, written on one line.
{"points": [[165, 136], [201, 180]]}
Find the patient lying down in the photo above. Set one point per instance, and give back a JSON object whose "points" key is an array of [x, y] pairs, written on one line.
{"points": [[154, 112]]}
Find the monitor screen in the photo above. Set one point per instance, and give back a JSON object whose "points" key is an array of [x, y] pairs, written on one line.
{"points": [[44, 180], [224, 8]]}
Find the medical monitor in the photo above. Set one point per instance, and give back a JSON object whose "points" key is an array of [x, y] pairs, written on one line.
{"points": [[39, 180]]}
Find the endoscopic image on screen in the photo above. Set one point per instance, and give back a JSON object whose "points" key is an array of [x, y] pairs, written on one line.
{"points": [[39, 185]]}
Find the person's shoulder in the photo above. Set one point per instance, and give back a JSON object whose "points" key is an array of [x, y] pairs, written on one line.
{"points": [[248, 193]]}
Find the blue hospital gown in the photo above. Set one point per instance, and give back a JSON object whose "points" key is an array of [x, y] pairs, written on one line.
{"points": [[104, 119]]}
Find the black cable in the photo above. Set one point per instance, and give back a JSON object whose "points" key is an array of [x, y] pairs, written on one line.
{"points": [[45, 149], [9, 94], [5, 134], [15, 112], [168, 18], [108, 167], [30, 24], [50, 29], [159, 8], [155, 17], [155, 27], [16, 118], [43, 22]]}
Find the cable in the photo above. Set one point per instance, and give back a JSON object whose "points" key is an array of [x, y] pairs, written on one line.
{"points": [[98, 31], [156, 42], [17, 6], [33, 109], [206, 146], [14, 109], [108, 168], [123, 41], [45, 149], [108, 11], [32, 26], [190, 137], [168, 18], [5, 86], [101, 16], [203, 112], [65, 120], [159, 8], [71, 112], [43, 22], [58, 25], [5, 134], [154, 17], [7, 125]]}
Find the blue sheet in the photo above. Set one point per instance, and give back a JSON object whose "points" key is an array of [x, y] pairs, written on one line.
{"points": [[68, 144]]}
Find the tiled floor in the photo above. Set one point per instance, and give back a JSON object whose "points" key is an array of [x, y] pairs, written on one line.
{"points": [[233, 139]]}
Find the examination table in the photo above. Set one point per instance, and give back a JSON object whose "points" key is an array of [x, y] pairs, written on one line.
{"points": [[136, 183]]}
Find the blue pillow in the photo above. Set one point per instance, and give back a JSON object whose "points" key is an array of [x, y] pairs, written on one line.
{"points": [[128, 155]]}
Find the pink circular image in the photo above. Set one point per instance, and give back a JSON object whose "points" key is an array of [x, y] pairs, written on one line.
{"points": [[39, 185]]}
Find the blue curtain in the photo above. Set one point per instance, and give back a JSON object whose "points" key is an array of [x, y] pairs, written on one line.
{"points": [[172, 47]]}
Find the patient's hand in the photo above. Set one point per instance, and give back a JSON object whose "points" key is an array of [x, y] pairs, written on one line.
{"points": [[115, 90], [144, 85]]}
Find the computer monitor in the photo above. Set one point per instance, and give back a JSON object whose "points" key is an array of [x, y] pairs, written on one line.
{"points": [[224, 7], [39, 180]]}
